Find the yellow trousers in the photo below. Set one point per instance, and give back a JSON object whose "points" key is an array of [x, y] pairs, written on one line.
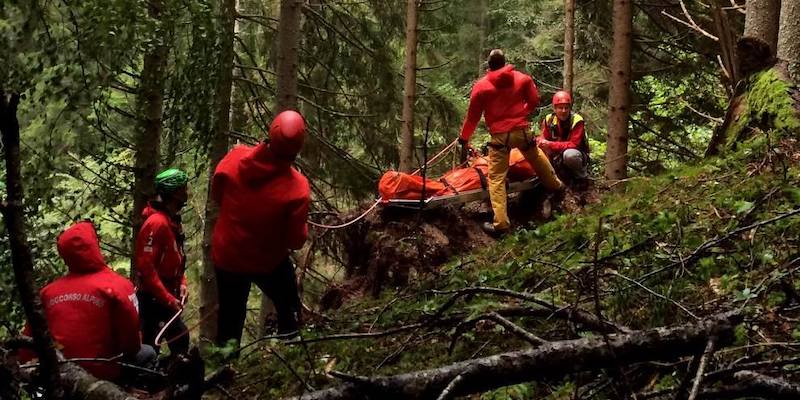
{"points": [[499, 148]]}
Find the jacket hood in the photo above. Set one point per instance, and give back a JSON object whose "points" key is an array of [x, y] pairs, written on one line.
{"points": [[261, 164], [503, 77], [148, 211], [80, 249]]}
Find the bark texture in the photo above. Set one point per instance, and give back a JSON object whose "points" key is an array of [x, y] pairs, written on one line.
{"points": [[21, 259], [619, 99], [288, 42], [150, 104], [761, 21], [569, 43], [789, 37], [409, 89], [217, 150], [550, 360]]}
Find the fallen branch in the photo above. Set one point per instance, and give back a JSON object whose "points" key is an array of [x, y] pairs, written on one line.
{"points": [[562, 312], [747, 384], [550, 360], [700, 250]]}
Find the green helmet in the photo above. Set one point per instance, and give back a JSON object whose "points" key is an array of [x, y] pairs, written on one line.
{"points": [[170, 180]]}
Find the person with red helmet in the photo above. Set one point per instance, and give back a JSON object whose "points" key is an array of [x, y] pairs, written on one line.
{"points": [[92, 311], [263, 207], [161, 261], [506, 97], [563, 137]]}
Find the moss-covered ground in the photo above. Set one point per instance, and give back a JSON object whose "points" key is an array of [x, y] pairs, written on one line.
{"points": [[679, 235]]}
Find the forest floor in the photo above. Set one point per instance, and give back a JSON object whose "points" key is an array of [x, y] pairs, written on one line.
{"points": [[664, 250]]}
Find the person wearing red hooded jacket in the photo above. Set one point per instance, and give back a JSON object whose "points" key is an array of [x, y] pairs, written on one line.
{"points": [[160, 262], [92, 311], [506, 97], [263, 207]]}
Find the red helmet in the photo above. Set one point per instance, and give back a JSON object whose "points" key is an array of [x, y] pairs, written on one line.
{"points": [[561, 97], [287, 134]]}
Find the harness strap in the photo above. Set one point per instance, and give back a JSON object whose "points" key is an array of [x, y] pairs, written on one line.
{"points": [[482, 177]]}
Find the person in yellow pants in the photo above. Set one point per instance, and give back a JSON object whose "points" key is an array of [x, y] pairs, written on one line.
{"points": [[506, 97]]}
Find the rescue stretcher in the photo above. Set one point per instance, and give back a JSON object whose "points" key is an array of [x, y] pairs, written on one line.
{"points": [[462, 197], [457, 186]]}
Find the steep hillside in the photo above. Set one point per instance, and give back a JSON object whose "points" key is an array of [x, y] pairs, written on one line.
{"points": [[721, 236]]}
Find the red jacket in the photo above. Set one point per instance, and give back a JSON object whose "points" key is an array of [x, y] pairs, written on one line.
{"points": [[506, 97], [92, 311], [160, 260], [561, 136], [263, 210]]}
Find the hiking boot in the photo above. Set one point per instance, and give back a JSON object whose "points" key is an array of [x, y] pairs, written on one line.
{"points": [[489, 228]]}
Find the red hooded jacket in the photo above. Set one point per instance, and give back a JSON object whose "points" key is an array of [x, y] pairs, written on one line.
{"points": [[160, 260], [506, 97], [92, 311], [263, 210]]}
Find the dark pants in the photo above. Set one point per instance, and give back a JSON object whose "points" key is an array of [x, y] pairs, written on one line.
{"points": [[153, 315], [280, 286], [145, 358]]}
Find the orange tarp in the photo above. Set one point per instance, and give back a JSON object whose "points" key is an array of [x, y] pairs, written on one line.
{"points": [[398, 185]]}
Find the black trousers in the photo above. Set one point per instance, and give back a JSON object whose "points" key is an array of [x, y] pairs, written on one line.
{"points": [[280, 286], [153, 316]]}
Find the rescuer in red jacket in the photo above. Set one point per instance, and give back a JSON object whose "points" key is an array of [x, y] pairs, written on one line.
{"points": [[563, 137], [505, 98], [91, 312], [161, 261], [263, 207]]}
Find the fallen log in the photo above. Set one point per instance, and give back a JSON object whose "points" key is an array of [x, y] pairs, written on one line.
{"points": [[79, 384], [756, 385], [549, 360]]}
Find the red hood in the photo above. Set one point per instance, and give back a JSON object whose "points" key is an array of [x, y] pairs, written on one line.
{"points": [[148, 211], [80, 249], [261, 164], [503, 77]]}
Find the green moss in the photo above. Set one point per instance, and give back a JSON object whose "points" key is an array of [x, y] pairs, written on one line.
{"points": [[767, 106]]}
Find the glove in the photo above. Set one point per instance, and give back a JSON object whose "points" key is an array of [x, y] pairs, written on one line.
{"points": [[543, 144], [175, 305], [184, 291], [464, 150]]}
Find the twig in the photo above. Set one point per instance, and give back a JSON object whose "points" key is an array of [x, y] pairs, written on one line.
{"points": [[659, 295], [291, 369], [345, 336], [516, 329], [690, 26], [749, 366], [717, 240], [701, 368], [452, 385]]}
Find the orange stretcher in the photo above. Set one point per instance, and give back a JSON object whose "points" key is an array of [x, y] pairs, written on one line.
{"points": [[459, 185]]}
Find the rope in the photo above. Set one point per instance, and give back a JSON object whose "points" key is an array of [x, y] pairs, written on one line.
{"points": [[369, 210], [171, 320]]}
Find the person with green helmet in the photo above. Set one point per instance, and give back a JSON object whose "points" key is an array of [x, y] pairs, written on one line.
{"points": [[160, 262]]}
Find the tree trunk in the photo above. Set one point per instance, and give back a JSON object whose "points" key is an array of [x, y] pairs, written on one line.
{"points": [[619, 99], [21, 259], [288, 42], [483, 9], [789, 37], [409, 89], [218, 149], [150, 104], [761, 21], [569, 43], [550, 360]]}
